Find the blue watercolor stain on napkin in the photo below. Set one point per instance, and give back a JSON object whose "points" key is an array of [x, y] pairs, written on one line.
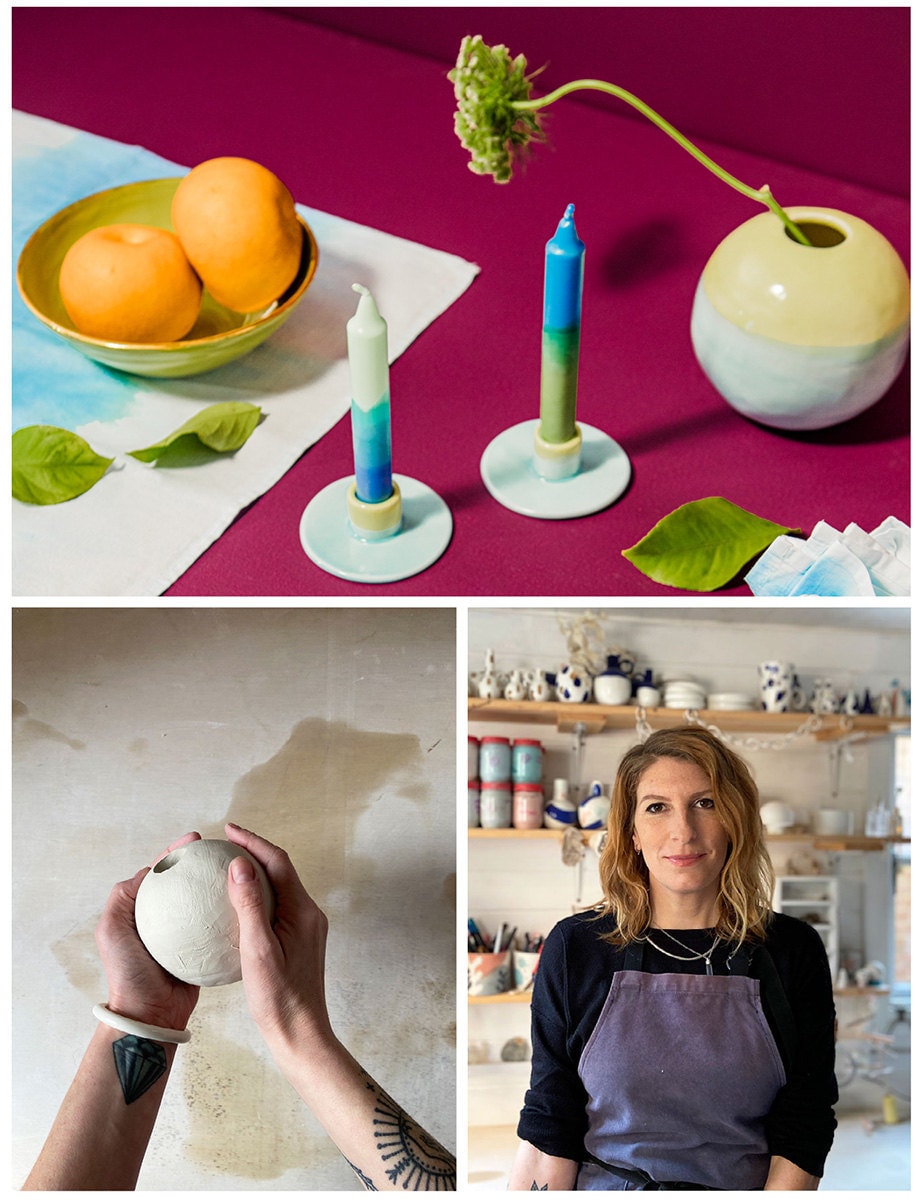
{"points": [[52, 383]]}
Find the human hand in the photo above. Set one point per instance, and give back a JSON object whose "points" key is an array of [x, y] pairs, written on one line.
{"points": [[282, 962], [138, 986]]}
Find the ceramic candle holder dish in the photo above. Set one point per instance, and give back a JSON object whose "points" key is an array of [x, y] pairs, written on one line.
{"points": [[802, 337], [219, 335]]}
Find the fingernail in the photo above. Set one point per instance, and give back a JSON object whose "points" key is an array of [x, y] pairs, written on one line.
{"points": [[242, 870]]}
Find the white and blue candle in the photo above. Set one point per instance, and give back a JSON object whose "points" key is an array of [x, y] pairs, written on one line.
{"points": [[367, 345]]}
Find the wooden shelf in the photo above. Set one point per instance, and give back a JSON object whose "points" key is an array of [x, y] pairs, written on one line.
{"points": [[503, 998], [598, 717], [832, 844]]}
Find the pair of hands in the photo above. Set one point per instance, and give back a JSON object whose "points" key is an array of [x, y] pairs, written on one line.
{"points": [[282, 963]]}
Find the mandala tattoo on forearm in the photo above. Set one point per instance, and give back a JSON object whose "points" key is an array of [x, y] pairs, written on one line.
{"points": [[413, 1160], [139, 1063]]}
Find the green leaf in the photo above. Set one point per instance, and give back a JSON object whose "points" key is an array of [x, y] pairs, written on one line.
{"points": [[703, 545], [51, 465], [220, 427]]}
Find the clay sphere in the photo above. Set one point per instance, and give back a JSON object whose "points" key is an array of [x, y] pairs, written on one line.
{"points": [[184, 915]]}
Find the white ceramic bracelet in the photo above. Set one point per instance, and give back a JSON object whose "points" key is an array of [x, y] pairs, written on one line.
{"points": [[155, 1032]]}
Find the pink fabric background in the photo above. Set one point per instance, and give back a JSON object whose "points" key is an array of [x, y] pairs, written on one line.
{"points": [[365, 131]]}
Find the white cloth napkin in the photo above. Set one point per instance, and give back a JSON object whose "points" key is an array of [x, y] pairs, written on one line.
{"points": [[139, 528]]}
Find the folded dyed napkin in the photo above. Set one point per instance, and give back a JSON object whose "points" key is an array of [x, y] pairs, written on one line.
{"points": [[140, 528], [831, 563]]}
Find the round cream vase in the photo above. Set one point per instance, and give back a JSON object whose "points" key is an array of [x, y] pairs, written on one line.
{"points": [[184, 915], [802, 337]]}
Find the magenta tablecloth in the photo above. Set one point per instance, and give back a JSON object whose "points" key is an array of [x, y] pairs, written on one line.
{"points": [[365, 132]]}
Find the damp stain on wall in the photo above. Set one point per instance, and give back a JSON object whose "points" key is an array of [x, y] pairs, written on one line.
{"points": [[27, 730], [244, 1119], [309, 796], [79, 959]]}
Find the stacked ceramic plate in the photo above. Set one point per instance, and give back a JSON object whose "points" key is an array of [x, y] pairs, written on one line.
{"points": [[683, 693], [730, 701]]}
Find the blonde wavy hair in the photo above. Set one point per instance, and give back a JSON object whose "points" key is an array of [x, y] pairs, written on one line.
{"points": [[746, 882]]}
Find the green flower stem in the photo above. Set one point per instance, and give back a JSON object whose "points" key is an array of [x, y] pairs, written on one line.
{"points": [[763, 194]]}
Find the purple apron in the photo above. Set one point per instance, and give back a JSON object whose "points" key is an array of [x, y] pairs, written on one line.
{"points": [[681, 1072]]}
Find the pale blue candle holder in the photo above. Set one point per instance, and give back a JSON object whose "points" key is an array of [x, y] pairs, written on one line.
{"points": [[509, 474], [344, 537]]}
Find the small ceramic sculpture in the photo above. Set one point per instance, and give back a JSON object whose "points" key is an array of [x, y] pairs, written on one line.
{"points": [[184, 915], [776, 679], [540, 686], [516, 688], [560, 812], [573, 684], [489, 687], [593, 808]]}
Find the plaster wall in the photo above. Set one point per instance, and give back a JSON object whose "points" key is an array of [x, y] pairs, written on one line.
{"points": [[330, 732]]}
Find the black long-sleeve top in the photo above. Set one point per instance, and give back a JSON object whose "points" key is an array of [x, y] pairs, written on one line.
{"points": [[573, 980]]}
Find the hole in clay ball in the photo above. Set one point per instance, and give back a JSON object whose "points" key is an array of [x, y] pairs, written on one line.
{"points": [[168, 861], [819, 234]]}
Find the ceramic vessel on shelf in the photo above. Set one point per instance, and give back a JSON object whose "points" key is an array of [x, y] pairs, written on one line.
{"points": [[541, 685], [573, 684], [516, 687], [560, 811], [593, 809], [802, 337], [489, 686], [613, 686], [648, 697], [775, 685], [777, 817]]}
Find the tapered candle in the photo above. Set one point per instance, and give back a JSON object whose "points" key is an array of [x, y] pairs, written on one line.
{"points": [[367, 345], [564, 256], [557, 440]]}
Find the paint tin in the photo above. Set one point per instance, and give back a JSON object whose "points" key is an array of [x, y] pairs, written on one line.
{"points": [[528, 805], [527, 760], [496, 760], [496, 805], [474, 804], [474, 747]]}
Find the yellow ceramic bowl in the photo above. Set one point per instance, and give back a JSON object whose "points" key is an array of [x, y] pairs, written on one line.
{"points": [[219, 335]]}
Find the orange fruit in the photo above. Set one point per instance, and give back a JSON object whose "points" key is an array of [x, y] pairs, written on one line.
{"points": [[237, 223], [130, 283]]}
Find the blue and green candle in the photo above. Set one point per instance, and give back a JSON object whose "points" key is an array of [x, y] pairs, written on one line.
{"points": [[373, 500], [557, 436]]}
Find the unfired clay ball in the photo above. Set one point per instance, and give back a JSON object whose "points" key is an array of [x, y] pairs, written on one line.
{"points": [[184, 915]]}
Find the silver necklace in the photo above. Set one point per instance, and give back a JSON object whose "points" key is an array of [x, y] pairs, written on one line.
{"points": [[704, 954]]}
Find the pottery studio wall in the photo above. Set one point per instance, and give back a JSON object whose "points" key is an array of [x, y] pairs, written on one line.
{"points": [[527, 884], [330, 732]]}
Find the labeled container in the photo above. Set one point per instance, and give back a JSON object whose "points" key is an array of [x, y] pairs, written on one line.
{"points": [[474, 804], [527, 756], [495, 759], [528, 805], [496, 804], [474, 750]]}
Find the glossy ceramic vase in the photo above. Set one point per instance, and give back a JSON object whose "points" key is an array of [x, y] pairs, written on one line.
{"points": [[802, 337], [613, 686]]}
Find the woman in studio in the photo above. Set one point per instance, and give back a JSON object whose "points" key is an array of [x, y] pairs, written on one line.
{"points": [[683, 1033]]}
